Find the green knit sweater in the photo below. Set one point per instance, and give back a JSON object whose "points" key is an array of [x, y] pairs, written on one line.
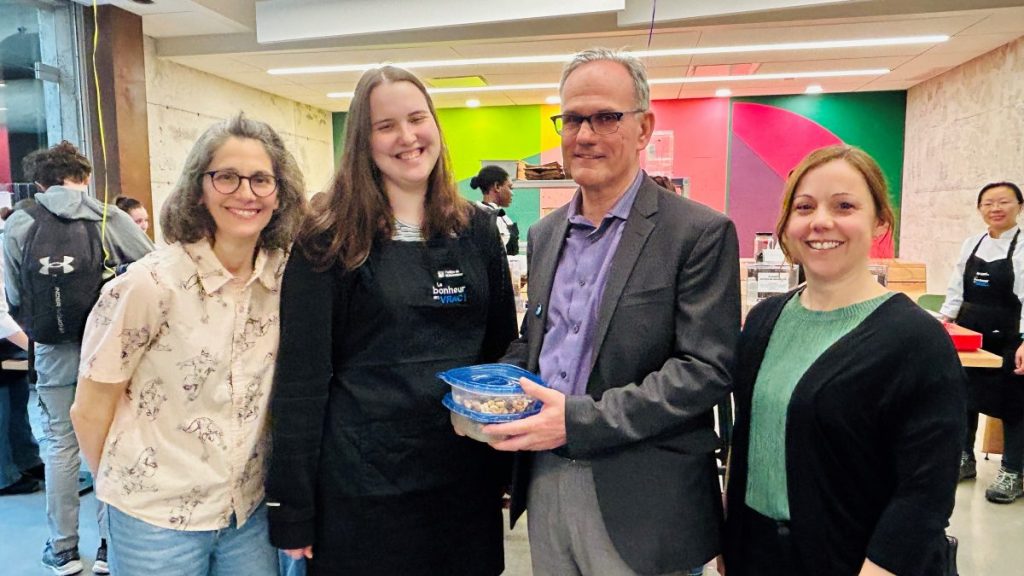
{"points": [[799, 338]]}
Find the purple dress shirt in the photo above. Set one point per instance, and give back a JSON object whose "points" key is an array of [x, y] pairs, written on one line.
{"points": [[566, 357]]}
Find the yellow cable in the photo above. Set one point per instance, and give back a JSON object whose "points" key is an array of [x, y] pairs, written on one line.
{"points": [[103, 137]]}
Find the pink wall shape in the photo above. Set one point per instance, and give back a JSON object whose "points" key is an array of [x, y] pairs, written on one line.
{"points": [[780, 137], [700, 146], [5, 156]]}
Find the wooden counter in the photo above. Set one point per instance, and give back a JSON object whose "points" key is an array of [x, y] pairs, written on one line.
{"points": [[980, 359]]}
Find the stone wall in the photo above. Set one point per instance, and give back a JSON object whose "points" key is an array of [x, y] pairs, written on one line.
{"points": [[183, 102], [964, 128]]}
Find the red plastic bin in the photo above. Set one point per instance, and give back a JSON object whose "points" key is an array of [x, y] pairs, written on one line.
{"points": [[963, 339]]}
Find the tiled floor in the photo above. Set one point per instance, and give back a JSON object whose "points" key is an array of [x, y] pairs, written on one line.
{"points": [[991, 536]]}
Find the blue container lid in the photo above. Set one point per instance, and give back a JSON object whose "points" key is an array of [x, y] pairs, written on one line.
{"points": [[484, 418], [496, 379]]}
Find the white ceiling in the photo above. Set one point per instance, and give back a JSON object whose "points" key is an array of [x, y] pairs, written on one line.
{"points": [[220, 37]]}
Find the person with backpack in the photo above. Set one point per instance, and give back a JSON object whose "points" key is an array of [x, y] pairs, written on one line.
{"points": [[58, 250]]}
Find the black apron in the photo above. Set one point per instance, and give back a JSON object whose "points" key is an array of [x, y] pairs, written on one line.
{"points": [[391, 463], [992, 308]]}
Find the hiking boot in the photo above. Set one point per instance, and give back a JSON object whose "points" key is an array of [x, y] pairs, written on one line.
{"points": [[1005, 488], [968, 467], [62, 563], [100, 566]]}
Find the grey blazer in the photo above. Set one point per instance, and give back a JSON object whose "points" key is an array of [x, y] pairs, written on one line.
{"points": [[664, 348]]}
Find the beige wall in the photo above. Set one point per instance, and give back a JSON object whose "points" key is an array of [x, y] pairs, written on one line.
{"points": [[964, 128], [183, 102]]}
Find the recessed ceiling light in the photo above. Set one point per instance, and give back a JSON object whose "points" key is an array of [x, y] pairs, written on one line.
{"points": [[813, 89], [654, 81], [722, 92], [553, 100], [562, 58], [472, 103]]}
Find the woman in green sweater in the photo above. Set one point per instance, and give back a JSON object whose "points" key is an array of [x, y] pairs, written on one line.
{"points": [[850, 399]]}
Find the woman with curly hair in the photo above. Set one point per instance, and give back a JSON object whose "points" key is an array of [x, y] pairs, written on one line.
{"points": [[178, 360]]}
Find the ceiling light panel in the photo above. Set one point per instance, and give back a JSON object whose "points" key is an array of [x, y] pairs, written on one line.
{"points": [[562, 58], [287, 20]]}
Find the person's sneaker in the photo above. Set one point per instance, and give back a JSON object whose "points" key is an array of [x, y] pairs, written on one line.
{"points": [[62, 563], [100, 566], [1006, 488], [968, 467], [24, 485]]}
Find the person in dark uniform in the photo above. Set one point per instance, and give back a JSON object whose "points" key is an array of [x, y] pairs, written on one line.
{"points": [[496, 187], [396, 279], [985, 294]]}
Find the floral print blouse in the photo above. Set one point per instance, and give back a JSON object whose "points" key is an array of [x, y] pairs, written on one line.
{"points": [[189, 440]]}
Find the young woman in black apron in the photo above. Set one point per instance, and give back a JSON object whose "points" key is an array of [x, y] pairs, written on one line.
{"points": [[985, 297], [395, 279]]}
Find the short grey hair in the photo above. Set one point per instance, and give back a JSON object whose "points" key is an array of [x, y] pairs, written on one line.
{"points": [[637, 71]]}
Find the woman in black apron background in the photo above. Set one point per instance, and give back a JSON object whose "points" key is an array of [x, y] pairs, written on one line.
{"points": [[394, 279], [985, 295]]}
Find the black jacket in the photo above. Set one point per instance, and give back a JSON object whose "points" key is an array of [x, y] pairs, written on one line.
{"points": [[873, 438]]}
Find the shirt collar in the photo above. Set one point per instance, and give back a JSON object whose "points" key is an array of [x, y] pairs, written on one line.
{"points": [[268, 269], [620, 210], [1009, 233]]}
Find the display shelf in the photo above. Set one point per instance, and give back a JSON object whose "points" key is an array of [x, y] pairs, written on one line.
{"points": [[543, 184]]}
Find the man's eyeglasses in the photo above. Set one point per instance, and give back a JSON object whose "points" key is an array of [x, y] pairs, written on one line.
{"points": [[600, 123], [228, 182], [1002, 205]]}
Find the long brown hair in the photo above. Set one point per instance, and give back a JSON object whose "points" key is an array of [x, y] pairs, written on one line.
{"points": [[357, 211], [861, 161]]}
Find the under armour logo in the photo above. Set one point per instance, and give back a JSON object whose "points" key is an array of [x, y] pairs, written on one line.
{"points": [[65, 266]]}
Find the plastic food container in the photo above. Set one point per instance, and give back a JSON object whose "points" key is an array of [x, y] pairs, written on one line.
{"points": [[491, 389], [487, 394]]}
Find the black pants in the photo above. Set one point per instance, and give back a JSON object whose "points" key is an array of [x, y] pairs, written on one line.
{"points": [[1013, 440]]}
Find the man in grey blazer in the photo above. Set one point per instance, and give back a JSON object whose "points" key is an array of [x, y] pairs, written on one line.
{"points": [[632, 320]]}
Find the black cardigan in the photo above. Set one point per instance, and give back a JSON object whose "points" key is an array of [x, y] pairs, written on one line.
{"points": [[873, 438]]}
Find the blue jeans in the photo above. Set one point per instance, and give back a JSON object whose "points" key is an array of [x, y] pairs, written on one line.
{"points": [[18, 448], [289, 567], [135, 548]]}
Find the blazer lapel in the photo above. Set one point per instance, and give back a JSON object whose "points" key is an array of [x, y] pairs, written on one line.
{"points": [[639, 226], [542, 276]]}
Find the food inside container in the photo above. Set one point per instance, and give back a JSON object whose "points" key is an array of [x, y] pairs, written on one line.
{"points": [[487, 394], [491, 389]]}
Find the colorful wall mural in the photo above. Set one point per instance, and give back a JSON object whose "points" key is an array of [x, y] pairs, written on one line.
{"points": [[736, 152]]}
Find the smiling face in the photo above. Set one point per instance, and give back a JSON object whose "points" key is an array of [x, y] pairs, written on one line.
{"points": [[999, 208], [832, 222], [405, 142], [604, 162], [240, 216]]}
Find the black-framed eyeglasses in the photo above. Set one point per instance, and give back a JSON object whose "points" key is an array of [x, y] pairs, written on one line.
{"points": [[229, 181], [600, 122]]}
